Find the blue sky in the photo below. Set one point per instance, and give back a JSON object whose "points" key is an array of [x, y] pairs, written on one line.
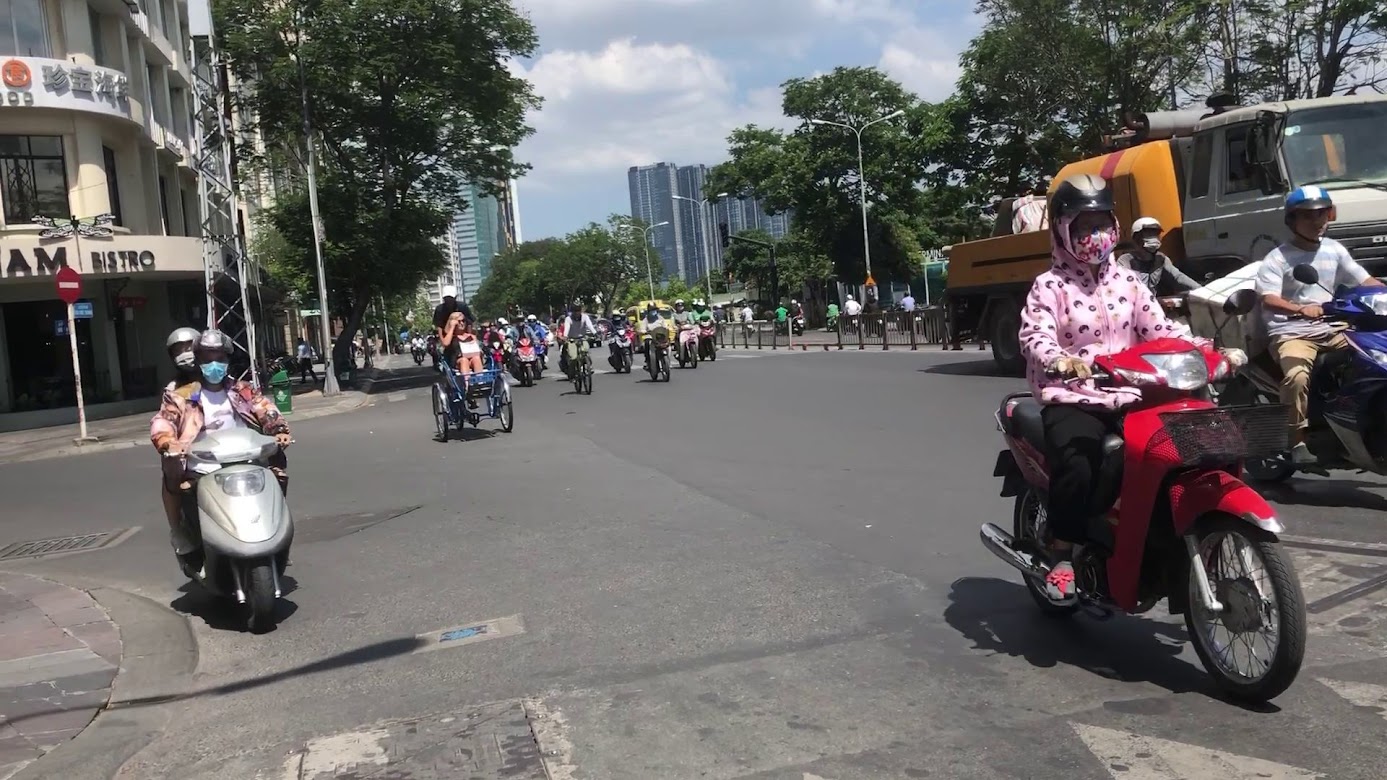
{"points": [[631, 82]]}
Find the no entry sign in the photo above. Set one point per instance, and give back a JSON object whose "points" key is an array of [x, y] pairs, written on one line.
{"points": [[69, 285]]}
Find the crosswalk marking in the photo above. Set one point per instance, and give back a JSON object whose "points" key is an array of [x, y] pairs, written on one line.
{"points": [[1131, 757], [1340, 594]]}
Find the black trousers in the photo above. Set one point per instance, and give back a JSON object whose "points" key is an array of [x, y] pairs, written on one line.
{"points": [[1074, 436]]}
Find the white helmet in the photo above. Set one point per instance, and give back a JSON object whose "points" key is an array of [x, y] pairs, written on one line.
{"points": [[450, 291], [679, 302], [850, 296], [1145, 223], [502, 321], [531, 318]]}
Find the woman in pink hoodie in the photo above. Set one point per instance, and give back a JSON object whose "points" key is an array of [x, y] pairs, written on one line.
{"points": [[1084, 306]]}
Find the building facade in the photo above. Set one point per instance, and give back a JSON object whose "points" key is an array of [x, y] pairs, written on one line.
{"points": [[653, 188], [488, 227], [95, 123]]}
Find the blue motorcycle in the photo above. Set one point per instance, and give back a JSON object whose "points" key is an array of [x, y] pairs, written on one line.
{"points": [[1347, 411]]}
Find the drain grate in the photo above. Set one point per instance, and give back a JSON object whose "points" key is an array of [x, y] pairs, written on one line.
{"points": [[62, 544]]}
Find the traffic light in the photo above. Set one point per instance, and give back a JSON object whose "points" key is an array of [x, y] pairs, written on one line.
{"points": [[723, 234]]}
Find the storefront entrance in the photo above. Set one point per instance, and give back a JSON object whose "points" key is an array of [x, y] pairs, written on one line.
{"points": [[40, 358]]}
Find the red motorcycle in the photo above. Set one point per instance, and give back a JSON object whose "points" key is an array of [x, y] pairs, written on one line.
{"points": [[1182, 525], [525, 363]]}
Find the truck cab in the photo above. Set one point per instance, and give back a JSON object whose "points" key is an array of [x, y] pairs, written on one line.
{"points": [[1242, 163]]}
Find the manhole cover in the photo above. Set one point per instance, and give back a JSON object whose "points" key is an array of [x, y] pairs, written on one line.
{"points": [[63, 544]]}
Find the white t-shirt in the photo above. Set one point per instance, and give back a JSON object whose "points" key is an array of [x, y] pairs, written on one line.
{"points": [[304, 352], [908, 303], [1334, 265], [217, 413], [747, 314], [852, 308]]}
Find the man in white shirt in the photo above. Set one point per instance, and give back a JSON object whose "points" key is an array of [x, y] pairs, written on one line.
{"points": [[1292, 311], [908, 302], [852, 308], [573, 329]]}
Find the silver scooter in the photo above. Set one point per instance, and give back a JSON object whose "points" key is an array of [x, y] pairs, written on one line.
{"points": [[239, 520]]}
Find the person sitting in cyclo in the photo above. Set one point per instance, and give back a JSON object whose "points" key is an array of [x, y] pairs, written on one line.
{"points": [[571, 332], [462, 351]]}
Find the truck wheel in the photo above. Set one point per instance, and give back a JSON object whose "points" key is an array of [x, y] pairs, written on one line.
{"points": [[1006, 339]]}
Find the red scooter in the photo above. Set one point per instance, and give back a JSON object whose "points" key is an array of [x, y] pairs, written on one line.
{"points": [[1182, 524]]}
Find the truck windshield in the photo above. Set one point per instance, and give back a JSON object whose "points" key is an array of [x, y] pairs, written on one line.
{"points": [[1337, 147]]}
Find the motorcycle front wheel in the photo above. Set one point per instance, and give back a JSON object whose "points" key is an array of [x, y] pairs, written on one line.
{"points": [[1254, 648], [260, 599]]}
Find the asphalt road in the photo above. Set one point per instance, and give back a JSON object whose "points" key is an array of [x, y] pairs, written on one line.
{"points": [[767, 568]]}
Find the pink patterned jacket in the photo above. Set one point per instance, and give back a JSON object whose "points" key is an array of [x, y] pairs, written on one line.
{"points": [[1069, 313]]}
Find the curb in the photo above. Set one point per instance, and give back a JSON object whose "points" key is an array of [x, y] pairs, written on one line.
{"points": [[341, 407], [158, 658]]}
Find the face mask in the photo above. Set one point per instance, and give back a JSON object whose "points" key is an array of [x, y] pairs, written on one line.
{"points": [[1095, 247], [213, 372], [1151, 244], [185, 359]]}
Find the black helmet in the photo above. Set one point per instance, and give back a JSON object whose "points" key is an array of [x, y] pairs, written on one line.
{"points": [[1084, 192]]}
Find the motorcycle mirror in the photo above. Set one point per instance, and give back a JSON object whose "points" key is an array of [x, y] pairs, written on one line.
{"points": [[1306, 274], [1240, 302]]}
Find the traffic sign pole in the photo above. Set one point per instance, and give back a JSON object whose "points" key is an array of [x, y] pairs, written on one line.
{"points": [[69, 284]]}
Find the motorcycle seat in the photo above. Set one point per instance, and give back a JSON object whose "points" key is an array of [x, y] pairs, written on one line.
{"points": [[1022, 419]]}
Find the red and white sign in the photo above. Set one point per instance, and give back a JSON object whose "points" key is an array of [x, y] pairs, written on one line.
{"points": [[69, 285]]}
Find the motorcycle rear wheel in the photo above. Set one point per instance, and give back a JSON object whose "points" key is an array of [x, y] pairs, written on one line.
{"points": [[1028, 527], [1286, 610]]}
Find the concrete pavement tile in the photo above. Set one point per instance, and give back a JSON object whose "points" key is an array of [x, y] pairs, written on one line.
{"points": [[28, 614], [78, 617], [16, 752], [62, 599], [37, 642], [55, 722], [50, 666]]}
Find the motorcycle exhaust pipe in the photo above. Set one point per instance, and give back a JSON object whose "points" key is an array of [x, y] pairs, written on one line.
{"points": [[1002, 545]]}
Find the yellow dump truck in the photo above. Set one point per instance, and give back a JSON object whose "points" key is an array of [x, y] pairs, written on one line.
{"points": [[1216, 181]]}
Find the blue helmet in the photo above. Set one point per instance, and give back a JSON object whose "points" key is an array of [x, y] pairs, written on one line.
{"points": [[1309, 198]]}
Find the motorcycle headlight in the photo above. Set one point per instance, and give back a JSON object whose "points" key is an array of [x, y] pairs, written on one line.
{"points": [[1180, 370], [241, 483], [1378, 355], [1377, 302]]}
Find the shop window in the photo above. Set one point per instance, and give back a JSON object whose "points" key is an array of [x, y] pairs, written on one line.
{"points": [[112, 182], [32, 179], [23, 28], [41, 358]]}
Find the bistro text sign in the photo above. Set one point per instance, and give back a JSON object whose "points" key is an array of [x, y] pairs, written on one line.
{"points": [[45, 261]]}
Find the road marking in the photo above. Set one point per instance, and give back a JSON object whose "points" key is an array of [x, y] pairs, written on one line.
{"points": [[470, 633], [329, 755], [1334, 545], [1344, 591], [1360, 694], [393, 397], [1131, 757]]}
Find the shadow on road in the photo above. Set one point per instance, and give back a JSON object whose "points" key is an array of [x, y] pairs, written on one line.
{"points": [[467, 434], [997, 616], [224, 614], [371, 653], [1336, 493], [980, 367]]}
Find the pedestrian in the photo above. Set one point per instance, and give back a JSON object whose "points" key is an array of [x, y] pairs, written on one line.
{"points": [[304, 353], [908, 303]]}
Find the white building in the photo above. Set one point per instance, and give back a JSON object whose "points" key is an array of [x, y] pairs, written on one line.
{"points": [[95, 119]]}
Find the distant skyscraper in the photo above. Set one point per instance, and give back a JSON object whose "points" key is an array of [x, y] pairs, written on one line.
{"points": [[488, 227], [653, 188]]}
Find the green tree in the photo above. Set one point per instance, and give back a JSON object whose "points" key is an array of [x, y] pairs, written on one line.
{"points": [[409, 99], [284, 261]]}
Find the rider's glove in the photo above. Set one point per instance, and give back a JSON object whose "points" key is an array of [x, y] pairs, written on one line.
{"points": [[1065, 367], [1236, 357]]}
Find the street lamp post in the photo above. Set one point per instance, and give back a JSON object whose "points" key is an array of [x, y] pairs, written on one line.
{"points": [[707, 236], [330, 386], [861, 176], [645, 239]]}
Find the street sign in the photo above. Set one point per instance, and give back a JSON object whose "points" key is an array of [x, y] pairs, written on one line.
{"points": [[310, 312], [82, 310], [69, 285]]}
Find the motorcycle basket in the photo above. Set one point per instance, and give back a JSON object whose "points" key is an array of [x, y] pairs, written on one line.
{"points": [[1211, 437]]}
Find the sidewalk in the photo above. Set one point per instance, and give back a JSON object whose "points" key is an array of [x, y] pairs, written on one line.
{"points": [[59, 652], [120, 433]]}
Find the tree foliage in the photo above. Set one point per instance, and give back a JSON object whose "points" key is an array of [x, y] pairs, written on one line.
{"points": [[596, 264], [409, 100]]}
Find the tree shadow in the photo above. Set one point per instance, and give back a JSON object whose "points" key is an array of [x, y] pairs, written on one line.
{"points": [[1337, 493], [999, 617], [980, 367], [222, 613]]}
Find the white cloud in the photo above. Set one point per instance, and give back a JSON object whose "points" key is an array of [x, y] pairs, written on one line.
{"points": [[633, 104]]}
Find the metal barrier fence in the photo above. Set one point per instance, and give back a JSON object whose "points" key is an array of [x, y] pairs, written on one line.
{"points": [[883, 329]]}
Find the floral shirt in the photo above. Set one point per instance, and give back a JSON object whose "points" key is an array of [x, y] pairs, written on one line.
{"points": [[1070, 313], [180, 417]]}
